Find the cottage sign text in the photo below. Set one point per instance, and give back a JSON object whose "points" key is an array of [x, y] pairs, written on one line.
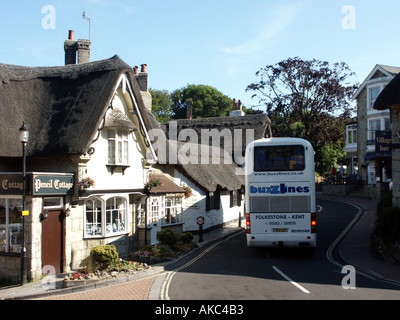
{"points": [[43, 184]]}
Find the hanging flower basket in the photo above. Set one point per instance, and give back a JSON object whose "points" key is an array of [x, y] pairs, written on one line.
{"points": [[83, 185], [188, 192]]}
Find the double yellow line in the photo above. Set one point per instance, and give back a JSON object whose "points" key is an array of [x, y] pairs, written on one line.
{"points": [[165, 286]]}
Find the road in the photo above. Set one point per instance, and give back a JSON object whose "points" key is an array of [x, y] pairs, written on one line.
{"points": [[231, 271]]}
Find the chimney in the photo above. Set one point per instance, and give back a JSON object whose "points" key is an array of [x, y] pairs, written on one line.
{"points": [[70, 48], [83, 50], [236, 109], [143, 82]]}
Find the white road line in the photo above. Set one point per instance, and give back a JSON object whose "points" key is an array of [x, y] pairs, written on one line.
{"points": [[290, 280]]}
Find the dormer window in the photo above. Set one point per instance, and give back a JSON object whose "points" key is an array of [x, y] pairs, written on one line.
{"points": [[118, 146], [118, 129]]}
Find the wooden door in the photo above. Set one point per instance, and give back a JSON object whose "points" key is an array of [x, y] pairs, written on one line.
{"points": [[52, 240]]}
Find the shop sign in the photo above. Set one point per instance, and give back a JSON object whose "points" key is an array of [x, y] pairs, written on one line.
{"points": [[52, 184], [383, 144], [11, 183]]}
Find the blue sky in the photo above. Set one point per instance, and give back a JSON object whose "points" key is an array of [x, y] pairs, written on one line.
{"points": [[221, 43]]}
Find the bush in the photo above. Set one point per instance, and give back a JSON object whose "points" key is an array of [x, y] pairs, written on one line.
{"points": [[388, 225], [167, 236], [186, 237], [103, 256]]}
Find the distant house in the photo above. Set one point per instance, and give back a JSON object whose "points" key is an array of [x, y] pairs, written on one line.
{"points": [[208, 158], [389, 100], [363, 159]]}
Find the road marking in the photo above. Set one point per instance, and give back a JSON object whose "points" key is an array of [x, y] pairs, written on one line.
{"points": [[165, 286], [329, 254], [290, 280]]}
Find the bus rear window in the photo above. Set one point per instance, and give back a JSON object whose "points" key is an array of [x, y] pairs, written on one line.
{"points": [[279, 158]]}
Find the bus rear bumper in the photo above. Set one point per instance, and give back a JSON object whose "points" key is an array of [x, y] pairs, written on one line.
{"points": [[265, 241]]}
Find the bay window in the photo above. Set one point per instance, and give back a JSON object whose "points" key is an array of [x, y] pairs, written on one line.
{"points": [[106, 216]]}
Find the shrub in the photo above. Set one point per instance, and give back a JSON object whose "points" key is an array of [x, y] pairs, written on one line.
{"points": [[186, 237], [388, 224], [167, 236], [103, 256]]}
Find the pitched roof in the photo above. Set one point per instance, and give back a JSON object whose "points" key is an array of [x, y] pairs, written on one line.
{"points": [[387, 71], [62, 106], [258, 124], [165, 185], [208, 166]]}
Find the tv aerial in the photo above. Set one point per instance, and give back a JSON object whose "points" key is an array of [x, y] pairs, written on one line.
{"points": [[85, 17]]}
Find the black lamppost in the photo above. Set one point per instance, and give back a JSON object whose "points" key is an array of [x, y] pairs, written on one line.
{"points": [[23, 137]]}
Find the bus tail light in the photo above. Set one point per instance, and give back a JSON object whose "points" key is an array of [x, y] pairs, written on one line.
{"points": [[248, 230], [313, 222]]}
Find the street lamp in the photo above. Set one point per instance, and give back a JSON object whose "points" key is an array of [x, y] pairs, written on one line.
{"points": [[23, 138]]}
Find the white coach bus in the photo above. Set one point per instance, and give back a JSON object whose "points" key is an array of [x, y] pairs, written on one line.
{"points": [[280, 193]]}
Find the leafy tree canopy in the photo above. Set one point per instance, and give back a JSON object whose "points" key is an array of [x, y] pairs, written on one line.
{"points": [[308, 99], [206, 102], [161, 105]]}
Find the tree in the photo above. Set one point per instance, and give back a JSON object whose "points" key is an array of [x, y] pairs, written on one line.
{"points": [[307, 99], [161, 105], [206, 101]]}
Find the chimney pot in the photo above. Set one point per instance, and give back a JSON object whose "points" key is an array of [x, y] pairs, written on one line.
{"points": [[144, 67], [71, 34], [234, 104], [136, 70]]}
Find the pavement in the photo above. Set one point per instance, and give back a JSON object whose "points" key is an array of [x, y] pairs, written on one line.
{"points": [[354, 249]]}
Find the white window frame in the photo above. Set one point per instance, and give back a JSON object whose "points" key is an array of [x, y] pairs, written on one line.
{"points": [[371, 101], [107, 228], [8, 226], [120, 139], [172, 211], [351, 131], [59, 206], [166, 210]]}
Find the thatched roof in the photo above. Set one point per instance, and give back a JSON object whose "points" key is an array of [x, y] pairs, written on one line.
{"points": [[390, 95], [62, 106], [207, 166], [238, 126]]}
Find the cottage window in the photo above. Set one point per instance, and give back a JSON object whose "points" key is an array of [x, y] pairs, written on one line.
{"points": [[235, 198], [213, 200], [166, 210], [10, 225], [105, 216], [118, 146], [173, 210]]}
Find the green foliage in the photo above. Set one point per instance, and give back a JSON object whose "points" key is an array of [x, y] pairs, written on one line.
{"points": [[104, 255], [308, 99], [161, 105], [186, 237], [207, 102], [167, 236]]}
